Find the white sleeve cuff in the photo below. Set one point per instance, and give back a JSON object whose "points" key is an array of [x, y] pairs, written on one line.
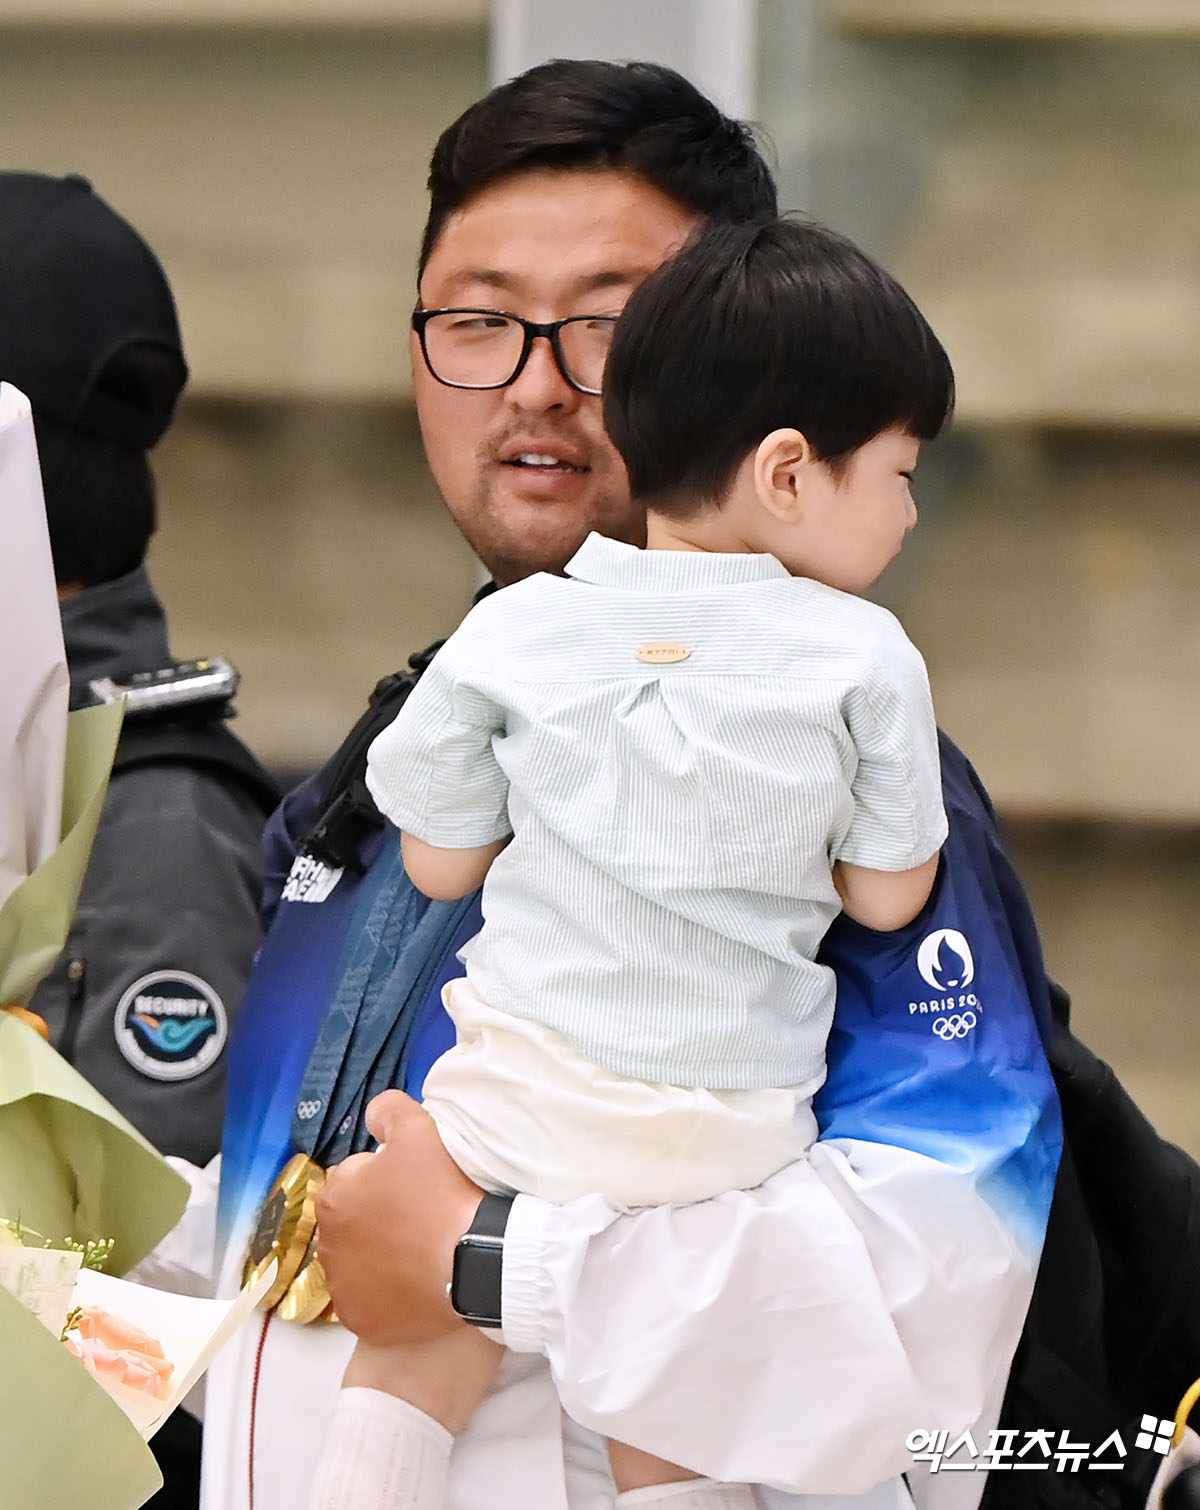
{"points": [[524, 1286], [545, 1249]]}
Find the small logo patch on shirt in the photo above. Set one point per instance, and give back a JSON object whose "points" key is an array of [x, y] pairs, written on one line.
{"points": [[310, 880], [170, 1025], [662, 652]]}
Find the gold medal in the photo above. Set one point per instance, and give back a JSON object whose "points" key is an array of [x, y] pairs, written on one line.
{"points": [[307, 1297], [286, 1225]]}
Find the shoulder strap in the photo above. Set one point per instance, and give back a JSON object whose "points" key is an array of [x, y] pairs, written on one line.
{"points": [[348, 811], [205, 743], [348, 814]]}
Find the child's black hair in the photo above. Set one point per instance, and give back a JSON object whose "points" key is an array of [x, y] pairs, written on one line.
{"points": [[751, 329]]}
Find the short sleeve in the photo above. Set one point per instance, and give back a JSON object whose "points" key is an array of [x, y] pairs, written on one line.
{"points": [[899, 818], [433, 771]]}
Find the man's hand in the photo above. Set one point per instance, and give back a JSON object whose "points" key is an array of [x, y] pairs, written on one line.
{"points": [[388, 1223]]}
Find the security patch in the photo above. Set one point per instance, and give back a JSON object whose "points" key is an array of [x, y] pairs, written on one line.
{"points": [[170, 1025]]}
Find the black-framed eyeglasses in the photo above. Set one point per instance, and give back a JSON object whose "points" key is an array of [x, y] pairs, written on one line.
{"points": [[487, 348]]}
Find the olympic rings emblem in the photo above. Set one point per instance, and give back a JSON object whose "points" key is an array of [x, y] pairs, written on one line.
{"points": [[306, 1110], [954, 1027]]}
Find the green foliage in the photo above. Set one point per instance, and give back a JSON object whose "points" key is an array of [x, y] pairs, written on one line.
{"points": [[95, 1252]]}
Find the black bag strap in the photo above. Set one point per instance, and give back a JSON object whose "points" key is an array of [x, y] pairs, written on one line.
{"points": [[202, 742], [348, 814]]}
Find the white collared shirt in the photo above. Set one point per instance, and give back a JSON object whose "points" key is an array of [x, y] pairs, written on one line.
{"points": [[668, 885]]}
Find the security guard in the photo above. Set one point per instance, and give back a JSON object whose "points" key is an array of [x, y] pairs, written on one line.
{"points": [[167, 923], [142, 998]]}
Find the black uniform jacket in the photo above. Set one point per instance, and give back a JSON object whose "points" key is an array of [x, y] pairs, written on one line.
{"points": [[143, 997]]}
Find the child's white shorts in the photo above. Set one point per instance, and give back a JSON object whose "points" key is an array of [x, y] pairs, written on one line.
{"points": [[520, 1109]]}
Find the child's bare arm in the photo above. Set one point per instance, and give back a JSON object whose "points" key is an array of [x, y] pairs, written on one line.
{"points": [[447, 874], [884, 899]]}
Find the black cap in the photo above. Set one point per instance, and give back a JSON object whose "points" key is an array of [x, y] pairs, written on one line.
{"points": [[81, 294]]}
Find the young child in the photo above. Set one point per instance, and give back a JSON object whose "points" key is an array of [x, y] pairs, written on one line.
{"points": [[673, 767]]}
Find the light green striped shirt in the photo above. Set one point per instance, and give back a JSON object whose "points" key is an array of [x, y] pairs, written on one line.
{"points": [[668, 884]]}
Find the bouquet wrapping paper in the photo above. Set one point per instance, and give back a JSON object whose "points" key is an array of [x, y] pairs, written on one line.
{"points": [[33, 668], [71, 1167], [53, 768]]}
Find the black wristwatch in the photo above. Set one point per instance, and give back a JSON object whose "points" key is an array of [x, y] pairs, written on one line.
{"points": [[474, 1287]]}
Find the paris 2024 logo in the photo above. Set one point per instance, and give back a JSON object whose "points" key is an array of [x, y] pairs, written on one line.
{"points": [[945, 963]]}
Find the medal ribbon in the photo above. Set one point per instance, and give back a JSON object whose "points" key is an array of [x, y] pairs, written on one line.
{"points": [[396, 945]]}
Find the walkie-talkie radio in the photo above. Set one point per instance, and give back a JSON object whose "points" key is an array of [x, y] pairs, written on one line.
{"points": [[177, 716], [184, 685]]}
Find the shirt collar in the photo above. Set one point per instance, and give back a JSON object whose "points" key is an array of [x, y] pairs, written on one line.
{"points": [[610, 563], [114, 630]]}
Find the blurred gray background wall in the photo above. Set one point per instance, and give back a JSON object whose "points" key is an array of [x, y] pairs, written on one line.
{"points": [[1030, 168]]}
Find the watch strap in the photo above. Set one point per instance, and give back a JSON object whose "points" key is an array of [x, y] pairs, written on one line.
{"points": [[491, 1218], [479, 1263]]}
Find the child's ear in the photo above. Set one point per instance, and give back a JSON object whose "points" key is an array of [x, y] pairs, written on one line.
{"points": [[782, 465]]}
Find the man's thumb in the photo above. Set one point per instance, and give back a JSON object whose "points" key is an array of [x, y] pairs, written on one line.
{"points": [[388, 1112]]}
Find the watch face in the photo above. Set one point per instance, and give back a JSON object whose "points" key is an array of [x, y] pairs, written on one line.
{"points": [[475, 1281]]}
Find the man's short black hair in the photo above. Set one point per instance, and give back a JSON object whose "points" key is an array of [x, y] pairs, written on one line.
{"points": [[751, 329], [643, 118]]}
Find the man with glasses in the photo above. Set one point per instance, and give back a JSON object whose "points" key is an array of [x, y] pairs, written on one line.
{"points": [[482, 348], [551, 199]]}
